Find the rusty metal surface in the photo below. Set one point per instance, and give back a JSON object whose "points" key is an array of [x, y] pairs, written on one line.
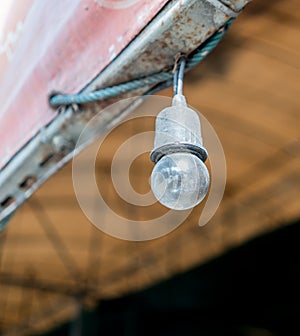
{"points": [[180, 27]]}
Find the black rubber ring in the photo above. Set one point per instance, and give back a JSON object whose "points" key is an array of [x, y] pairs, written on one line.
{"points": [[160, 152]]}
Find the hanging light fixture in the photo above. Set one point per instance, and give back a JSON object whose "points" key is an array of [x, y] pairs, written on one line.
{"points": [[180, 179]]}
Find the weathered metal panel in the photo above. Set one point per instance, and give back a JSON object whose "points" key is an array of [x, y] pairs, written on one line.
{"points": [[64, 44]]}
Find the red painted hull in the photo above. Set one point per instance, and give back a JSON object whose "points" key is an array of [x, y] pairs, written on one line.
{"points": [[63, 45]]}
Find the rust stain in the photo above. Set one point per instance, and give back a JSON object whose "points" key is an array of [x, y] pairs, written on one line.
{"points": [[46, 159], [7, 202], [168, 35], [209, 33], [28, 182]]}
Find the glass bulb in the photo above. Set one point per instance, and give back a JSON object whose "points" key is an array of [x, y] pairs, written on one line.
{"points": [[180, 181]]}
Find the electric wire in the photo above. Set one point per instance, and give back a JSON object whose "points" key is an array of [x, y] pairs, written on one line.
{"points": [[182, 64], [175, 80]]}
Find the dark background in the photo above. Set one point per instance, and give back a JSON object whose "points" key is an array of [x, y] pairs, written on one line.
{"points": [[251, 290]]}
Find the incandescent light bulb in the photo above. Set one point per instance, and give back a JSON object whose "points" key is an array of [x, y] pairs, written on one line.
{"points": [[180, 179]]}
